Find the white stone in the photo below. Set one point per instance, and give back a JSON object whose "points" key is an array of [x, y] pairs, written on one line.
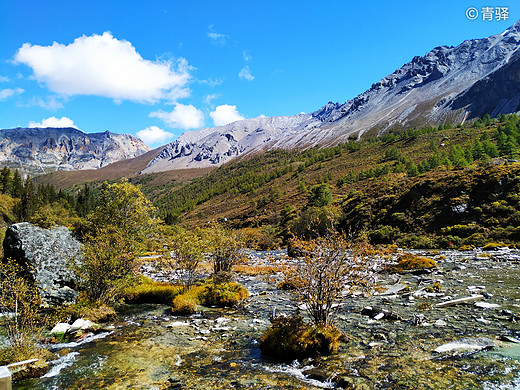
{"points": [[394, 289], [220, 328], [60, 327], [487, 305], [176, 324], [5, 378], [379, 316], [440, 323], [222, 320], [80, 324], [466, 344]]}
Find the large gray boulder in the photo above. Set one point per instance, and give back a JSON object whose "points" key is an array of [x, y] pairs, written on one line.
{"points": [[45, 254]]}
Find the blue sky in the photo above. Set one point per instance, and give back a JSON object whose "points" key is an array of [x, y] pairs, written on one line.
{"points": [[161, 67]]}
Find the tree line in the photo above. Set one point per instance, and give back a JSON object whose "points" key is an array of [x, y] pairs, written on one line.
{"points": [[40, 200]]}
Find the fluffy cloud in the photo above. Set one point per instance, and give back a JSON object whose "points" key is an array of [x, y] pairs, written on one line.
{"points": [[154, 135], [7, 93], [102, 65], [245, 74], [225, 114], [54, 122], [182, 117]]}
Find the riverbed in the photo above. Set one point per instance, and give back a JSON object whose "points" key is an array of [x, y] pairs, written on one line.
{"points": [[390, 337]]}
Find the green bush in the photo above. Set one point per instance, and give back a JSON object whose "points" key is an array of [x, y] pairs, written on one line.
{"points": [[462, 230], [223, 294], [415, 241], [209, 293], [149, 291], [320, 195], [476, 239], [184, 304], [491, 246], [312, 222], [50, 215], [383, 235], [290, 338], [409, 261]]}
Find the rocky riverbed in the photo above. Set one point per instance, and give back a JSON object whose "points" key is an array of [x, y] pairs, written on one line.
{"points": [[412, 333]]}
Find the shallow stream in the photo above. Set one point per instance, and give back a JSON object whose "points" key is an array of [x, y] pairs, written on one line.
{"points": [[218, 348]]}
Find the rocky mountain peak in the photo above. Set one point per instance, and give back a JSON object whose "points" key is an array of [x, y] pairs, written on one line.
{"points": [[42, 150]]}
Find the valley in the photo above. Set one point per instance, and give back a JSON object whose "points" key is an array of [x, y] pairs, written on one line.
{"points": [[370, 244]]}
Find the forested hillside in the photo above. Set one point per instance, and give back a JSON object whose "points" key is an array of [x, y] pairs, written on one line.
{"points": [[423, 187]]}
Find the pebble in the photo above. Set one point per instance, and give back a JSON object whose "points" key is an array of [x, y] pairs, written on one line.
{"points": [[486, 305], [483, 320], [222, 320], [466, 344], [175, 324]]}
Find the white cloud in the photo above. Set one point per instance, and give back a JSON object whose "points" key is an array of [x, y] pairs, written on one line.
{"points": [[211, 97], [154, 135], [182, 117], [217, 38], [7, 93], [4, 79], [102, 65], [225, 114], [54, 122], [49, 103], [247, 57], [245, 74]]}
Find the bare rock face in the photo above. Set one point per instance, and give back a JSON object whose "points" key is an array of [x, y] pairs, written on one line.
{"points": [[447, 85], [45, 255], [42, 150]]}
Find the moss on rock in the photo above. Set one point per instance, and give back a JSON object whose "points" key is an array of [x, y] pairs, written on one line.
{"points": [[290, 338], [411, 262]]}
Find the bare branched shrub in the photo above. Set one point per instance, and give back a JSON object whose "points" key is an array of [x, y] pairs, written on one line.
{"points": [[187, 251], [225, 249], [328, 269]]}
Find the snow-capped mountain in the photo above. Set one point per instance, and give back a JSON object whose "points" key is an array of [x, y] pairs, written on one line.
{"points": [[448, 84]]}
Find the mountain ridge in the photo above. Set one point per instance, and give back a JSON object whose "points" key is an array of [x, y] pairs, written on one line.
{"points": [[43, 150], [445, 85]]}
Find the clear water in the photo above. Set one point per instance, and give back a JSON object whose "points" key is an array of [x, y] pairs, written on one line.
{"points": [[150, 349]]}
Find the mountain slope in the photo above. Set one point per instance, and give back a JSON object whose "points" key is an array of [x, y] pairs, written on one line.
{"points": [[41, 150], [430, 90], [214, 146], [447, 85], [417, 188]]}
